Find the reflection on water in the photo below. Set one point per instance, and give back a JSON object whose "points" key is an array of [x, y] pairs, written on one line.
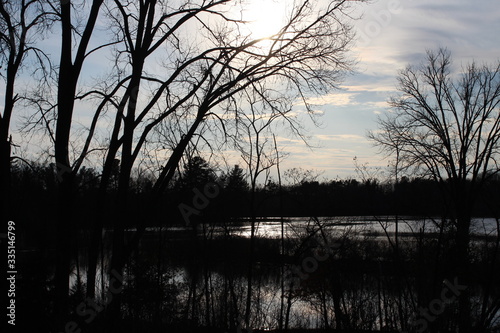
{"points": [[297, 226], [202, 277]]}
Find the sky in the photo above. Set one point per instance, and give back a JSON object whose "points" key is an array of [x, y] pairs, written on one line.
{"points": [[391, 34]]}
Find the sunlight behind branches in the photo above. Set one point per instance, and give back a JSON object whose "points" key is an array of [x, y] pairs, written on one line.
{"points": [[265, 17]]}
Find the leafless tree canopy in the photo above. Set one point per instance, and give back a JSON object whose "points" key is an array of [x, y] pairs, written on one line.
{"points": [[179, 73], [22, 25], [169, 85], [447, 126], [443, 124], [179, 69]]}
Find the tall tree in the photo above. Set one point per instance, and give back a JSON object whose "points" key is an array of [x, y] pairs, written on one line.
{"points": [[202, 79], [206, 81], [70, 67], [255, 152], [235, 180], [197, 172], [447, 126], [22, 25]]}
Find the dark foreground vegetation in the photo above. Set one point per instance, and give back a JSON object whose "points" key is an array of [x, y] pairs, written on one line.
{"points": [[188, 278], [36, 184], [150, 240]]}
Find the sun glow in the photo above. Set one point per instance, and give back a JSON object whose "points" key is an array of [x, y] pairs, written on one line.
{"points": [[265, 17]]}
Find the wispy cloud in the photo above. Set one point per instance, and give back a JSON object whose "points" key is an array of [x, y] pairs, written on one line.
{"points": [[380, 104], [341, 137], [468, 29], [335, 99]]}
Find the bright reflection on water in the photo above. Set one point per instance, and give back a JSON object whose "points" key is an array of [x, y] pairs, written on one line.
{"points": [[375, 226], [305, 311]]}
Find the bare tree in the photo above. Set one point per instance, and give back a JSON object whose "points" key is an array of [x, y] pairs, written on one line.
{"points": [[70, 67], [207, 81], [199, 80], [22, 24], [447, 127], [253, 140]]}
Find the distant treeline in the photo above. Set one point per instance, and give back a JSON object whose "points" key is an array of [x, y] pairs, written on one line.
{"points": [[230, 196], [362, 271]]}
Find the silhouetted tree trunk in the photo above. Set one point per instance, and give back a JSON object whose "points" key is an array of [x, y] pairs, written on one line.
{"points": [[256, 128], [22, 23], [69, 72], [122, 218], [198, 85], [282, 244], [448, 131]]}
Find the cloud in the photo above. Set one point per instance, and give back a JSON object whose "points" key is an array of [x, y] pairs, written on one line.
{"points": [[335, 99], [468, 29], [340, 137], [380, 104], [369, 87]]}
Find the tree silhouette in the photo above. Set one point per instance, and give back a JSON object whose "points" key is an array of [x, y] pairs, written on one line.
{"points": [[236, 180], [207, 83], [196, 173], [70, 68], [22, 26], [447, 127], [161, 76]]}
